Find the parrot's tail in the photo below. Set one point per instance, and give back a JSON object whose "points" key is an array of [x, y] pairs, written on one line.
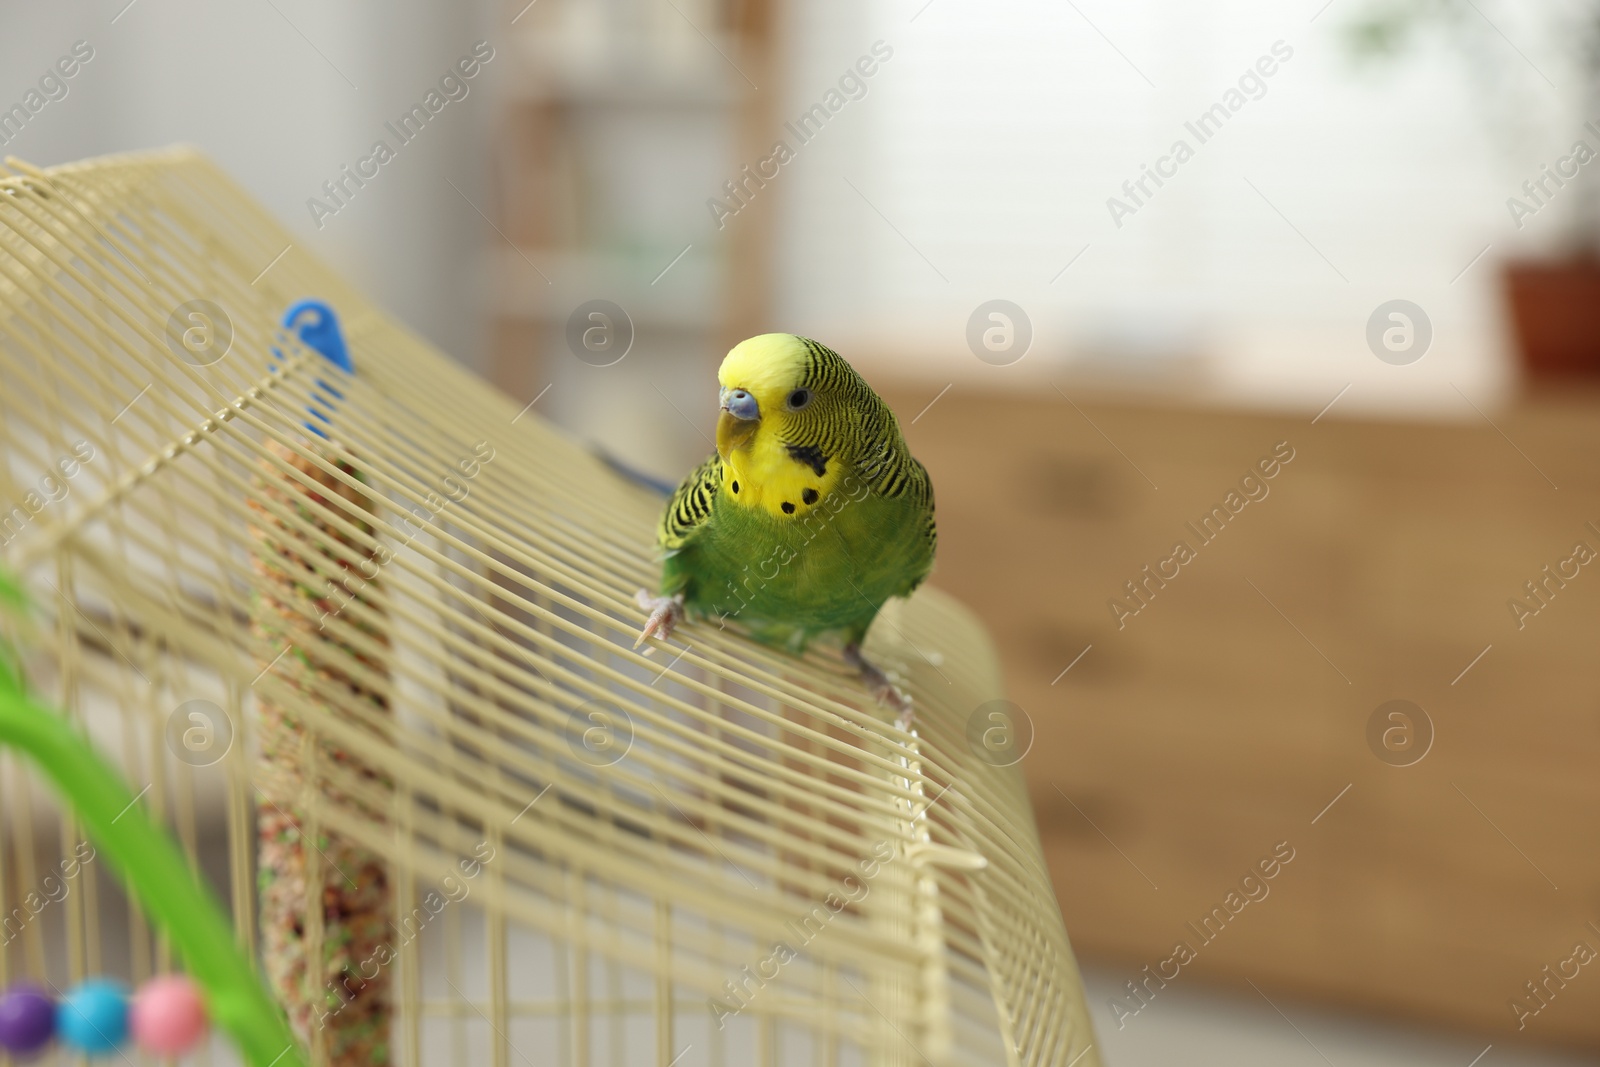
{"points": [[638, 477]]}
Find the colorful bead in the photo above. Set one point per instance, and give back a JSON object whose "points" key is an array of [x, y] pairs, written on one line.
{"points": [[94, 1017], [169, 1016], [27, 1021]]}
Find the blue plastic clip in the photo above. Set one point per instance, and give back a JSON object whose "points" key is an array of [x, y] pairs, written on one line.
{"points": [[319, 330], [314, 322]]}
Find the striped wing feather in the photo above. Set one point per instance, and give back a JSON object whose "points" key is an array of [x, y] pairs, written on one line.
{"points": [[690, 506]]}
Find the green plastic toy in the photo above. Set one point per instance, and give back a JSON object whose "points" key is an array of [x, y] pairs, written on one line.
{"points": [[149, 864]]}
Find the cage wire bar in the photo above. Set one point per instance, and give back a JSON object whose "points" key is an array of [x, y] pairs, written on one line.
{"points": [[407, 602]]}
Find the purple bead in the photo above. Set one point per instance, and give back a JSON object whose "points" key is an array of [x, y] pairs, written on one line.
{"points": [[27, 1020]]}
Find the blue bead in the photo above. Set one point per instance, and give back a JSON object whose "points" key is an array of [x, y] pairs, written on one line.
{"points": [[94, 1016]]}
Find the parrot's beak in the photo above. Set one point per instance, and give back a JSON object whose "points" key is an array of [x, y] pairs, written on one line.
{"points": [[737, 422], [734, 432]]}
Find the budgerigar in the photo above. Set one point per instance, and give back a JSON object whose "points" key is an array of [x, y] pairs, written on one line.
{"points": [[811, 513]]}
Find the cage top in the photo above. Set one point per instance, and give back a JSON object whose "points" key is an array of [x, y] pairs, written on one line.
{"points": [[434, 588]]}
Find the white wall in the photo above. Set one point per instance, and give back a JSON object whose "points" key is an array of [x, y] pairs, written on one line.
{"points": [[994, 137], [988, 146], [282, 93]]}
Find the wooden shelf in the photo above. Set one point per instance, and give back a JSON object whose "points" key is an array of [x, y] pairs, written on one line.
{"points": [[619, 122], [521, 293]]}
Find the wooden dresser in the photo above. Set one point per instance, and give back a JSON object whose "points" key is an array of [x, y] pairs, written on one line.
{"points": [[1233, 712]]}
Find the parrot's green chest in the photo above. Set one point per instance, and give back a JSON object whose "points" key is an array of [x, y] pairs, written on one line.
{"points": [[789, 579]]}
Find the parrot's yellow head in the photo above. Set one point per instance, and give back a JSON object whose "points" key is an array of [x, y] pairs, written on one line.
{"points": [[791, 411]]}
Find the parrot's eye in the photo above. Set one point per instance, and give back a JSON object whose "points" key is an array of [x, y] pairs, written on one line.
{"points": [[799, 399]]}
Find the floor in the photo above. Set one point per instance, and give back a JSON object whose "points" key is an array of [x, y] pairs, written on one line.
{"points": [[1198, 1027]]}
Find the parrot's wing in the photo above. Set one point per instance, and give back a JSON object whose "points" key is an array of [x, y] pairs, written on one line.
{"points": [[690, 506], [918, 488], [898, 475], [922, 491]]}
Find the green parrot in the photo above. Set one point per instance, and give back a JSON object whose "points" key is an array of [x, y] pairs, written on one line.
{"points": [[811, 513]]}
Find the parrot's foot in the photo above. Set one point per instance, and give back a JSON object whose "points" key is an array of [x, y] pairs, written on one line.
{"points": [[879, 685], [665, 613]]}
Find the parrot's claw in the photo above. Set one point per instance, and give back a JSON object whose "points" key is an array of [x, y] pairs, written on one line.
{"points": [[665, 614], [879, 685]]}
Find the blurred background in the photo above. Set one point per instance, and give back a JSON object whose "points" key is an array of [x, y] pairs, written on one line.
{"points": [[1111, 263]]}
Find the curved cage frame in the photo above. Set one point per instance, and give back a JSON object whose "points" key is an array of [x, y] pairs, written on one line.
{"points": [[409, 601]]}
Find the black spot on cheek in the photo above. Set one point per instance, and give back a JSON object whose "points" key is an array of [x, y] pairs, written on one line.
{"points": [[809, 496], [735, 487], [788, 508], [811, 456]]}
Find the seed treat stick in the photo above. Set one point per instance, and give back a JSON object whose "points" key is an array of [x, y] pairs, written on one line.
{"points": [[341, 1005]]}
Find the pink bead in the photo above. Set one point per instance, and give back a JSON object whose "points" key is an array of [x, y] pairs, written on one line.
{"points": [[168, 1016]]}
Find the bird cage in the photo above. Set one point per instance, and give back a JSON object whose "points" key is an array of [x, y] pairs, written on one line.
{"points": [[356, 629]]}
